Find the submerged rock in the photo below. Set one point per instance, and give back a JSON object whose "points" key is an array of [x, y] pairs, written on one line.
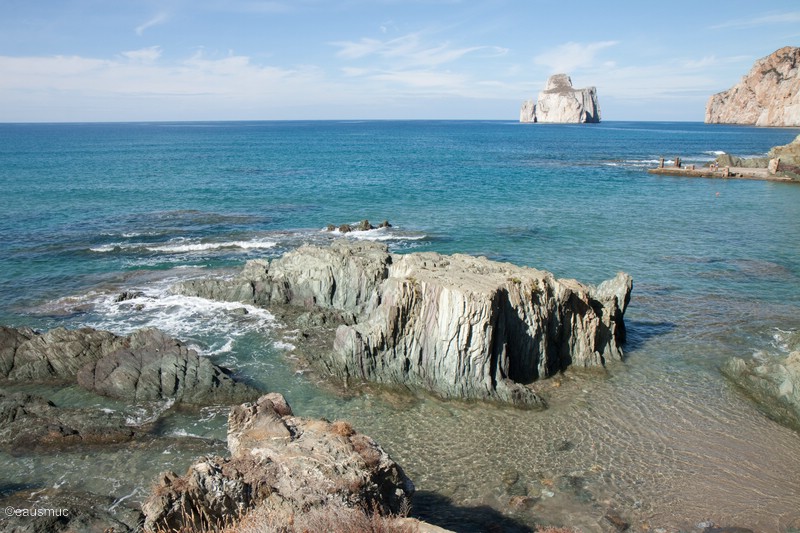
{"points": [[774, 384], [147, 365], [283, 465], [769, 95], [30, 422], [53, 510], [459, 326]]}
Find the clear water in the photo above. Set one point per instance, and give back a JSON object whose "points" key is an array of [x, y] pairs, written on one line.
{"points": [[88, 210]]}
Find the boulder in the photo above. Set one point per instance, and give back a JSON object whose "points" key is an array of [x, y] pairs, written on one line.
{"points": [[560, 103], [458, 326], [773, 382], [769, 95], [147, 365], [283, 466]]}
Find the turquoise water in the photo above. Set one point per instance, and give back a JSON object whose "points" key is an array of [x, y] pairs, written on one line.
{"points": [[89, 210]]}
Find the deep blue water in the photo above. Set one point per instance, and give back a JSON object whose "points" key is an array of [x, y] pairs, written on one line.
{"points": [[87, 210]]}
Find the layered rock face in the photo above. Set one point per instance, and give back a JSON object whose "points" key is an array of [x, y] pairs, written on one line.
{"points": [[560, 103], [459, 326], [283, 465], [769, 95], [147, 365]]}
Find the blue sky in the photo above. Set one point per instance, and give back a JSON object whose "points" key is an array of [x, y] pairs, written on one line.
{"points": [[132, 60]]}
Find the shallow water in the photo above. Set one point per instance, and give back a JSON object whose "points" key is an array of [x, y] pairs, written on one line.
{"points": [[663, 440]]}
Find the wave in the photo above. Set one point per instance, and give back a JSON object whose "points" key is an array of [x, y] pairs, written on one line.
{"points": [[183, 247], [379, 234]]}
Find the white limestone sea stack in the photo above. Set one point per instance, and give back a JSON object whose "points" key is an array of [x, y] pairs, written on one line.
{"points": [[455, 325], [769, 95], [560, 103]]}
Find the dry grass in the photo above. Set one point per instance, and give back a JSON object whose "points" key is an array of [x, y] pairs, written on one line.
{"points": [[342, 428]]}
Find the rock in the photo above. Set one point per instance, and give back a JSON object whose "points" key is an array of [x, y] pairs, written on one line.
{"points": [[147, 365], [154, 366], [788, 154], [330, 227], [616, 520], [769, 95], [727, 160], [560, 103], [31, 422], [128, 295], [773, 383], [62, 510], [55, 355], [384, 224], [345, 228], [458, 326], [282, 466], [364, 225]]}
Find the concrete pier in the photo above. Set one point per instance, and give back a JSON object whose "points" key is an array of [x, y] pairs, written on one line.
{"points": [[723, 172]]}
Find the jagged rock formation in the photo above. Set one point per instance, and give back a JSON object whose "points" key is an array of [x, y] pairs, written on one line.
{"points": [[459, 326], [147, 365], [769, 95], [283, 465], [560, 103]]}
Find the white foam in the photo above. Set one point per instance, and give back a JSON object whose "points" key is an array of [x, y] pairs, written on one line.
{"points": [[204, 246], [282, 345], [182, 246], [377, 234]]}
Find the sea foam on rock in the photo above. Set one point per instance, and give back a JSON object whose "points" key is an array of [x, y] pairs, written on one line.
{"points": [[458, 326]]}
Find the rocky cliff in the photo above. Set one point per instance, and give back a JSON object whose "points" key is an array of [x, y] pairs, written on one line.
{"points": [[560, 103], [459, 326], [769, 95]]}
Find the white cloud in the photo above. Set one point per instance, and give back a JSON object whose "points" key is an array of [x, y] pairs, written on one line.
{"points": [[571, 56], [144, 55], [159, 18], [792, 17], [410, 51]]}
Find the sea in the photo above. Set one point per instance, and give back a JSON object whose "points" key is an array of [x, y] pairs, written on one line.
{"points": [[661, 441]]}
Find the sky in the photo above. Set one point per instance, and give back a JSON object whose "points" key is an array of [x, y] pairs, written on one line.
{"points": [[171, 60]]}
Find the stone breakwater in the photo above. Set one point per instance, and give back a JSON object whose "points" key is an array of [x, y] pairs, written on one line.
{"points": [[457, 326]]}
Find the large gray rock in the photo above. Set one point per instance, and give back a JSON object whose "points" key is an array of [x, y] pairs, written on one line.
{"points": [[769, 95], [147, 365], [284, 466], [559, 102], [459, 326]]}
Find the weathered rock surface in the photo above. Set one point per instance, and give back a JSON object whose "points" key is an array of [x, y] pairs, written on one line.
{"points": [[769, 95], [30, 422], [560, 103], [283, 465], [147, 365], [459, 326], [773, 382]]}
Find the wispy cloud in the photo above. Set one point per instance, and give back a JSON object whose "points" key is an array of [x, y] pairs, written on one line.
{"points": [[144, 55], [791, 17], [410, 51], [159, 18], [572, 56]]}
